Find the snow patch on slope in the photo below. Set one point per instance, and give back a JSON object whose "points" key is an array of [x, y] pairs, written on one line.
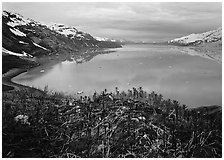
{"points": [[40, 46], [17, 32], [24, 54], [23, 42]]}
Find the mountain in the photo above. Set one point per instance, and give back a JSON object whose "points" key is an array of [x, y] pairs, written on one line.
{"points": [[196, 39], [120, 41], [27, 38], [107, 39]]}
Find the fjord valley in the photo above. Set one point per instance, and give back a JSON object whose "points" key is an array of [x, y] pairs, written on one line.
{"points": [[68, 94]]}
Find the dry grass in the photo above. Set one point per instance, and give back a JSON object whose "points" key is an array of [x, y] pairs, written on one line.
{"points": [[126, 124]]}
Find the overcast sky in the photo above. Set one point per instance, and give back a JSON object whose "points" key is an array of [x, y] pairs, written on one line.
{"points": [[146, 21]]}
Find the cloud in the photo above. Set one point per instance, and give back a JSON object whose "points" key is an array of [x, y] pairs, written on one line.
{"points": [[140, 21]]}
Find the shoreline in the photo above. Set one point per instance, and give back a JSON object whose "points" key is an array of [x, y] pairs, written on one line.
{"points": [[7, 81], [41, 61], [7, 78], [13, 73]]}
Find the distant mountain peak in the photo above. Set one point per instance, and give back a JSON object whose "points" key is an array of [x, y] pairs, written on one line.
{"points": [[106, 39]]}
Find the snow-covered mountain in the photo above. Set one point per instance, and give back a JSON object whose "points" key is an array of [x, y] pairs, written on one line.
{"points": [[63, 29], [195, 39], [15, 19], [70, 32], [26, 37], [105, 39], [120, 41]]}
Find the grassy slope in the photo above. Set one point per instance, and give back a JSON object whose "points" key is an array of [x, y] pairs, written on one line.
{"points": [[132, 124]]}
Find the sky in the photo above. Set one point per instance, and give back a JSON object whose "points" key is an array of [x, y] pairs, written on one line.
{"points": [[138, 21]]}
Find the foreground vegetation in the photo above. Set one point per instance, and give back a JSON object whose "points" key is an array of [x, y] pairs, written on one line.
{"points": [[120, 124]]}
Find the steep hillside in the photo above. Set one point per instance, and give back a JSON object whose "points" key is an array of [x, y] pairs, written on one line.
{"points": [[196, 39], [26, 37]]}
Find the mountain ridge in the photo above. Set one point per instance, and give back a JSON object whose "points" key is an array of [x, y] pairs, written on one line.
{"points": [[21, 35], [199, 38]]}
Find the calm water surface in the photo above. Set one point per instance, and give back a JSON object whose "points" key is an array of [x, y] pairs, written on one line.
{"points": [[192, 80]]}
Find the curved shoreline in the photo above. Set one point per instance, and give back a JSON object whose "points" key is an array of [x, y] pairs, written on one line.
{"points": [[7, 81], [41, 61], [7, 78]]}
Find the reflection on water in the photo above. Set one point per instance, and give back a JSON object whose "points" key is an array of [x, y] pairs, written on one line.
{"points": [[194, 52], [192, 80], [88, 54]]}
